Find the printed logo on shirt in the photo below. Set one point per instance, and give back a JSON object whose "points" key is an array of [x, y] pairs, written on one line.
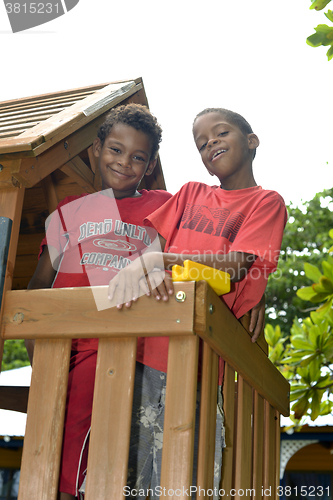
{"points": [[214, 221], [89, 229], [119, 245]]}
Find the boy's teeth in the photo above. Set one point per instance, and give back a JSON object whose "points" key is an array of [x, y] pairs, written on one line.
{"points": [[219, 152]]}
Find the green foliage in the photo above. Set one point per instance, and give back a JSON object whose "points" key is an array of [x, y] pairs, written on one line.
{"points": [[305, 357], [15, 355], [305, 241], [323, 33]]}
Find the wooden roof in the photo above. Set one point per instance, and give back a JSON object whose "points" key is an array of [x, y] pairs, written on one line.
{"points": [[46, 147]]}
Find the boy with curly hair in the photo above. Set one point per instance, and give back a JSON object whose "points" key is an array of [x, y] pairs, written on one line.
{"points": [[90, 238]]}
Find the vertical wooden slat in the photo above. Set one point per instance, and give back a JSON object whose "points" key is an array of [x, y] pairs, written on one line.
{"points": [[50, 193], [277, 452], [11, 202], [208, 401], [227, 482], [111, 419], [258, 444], [269, 469], [46, 409], [243, 456], [179, 421]]}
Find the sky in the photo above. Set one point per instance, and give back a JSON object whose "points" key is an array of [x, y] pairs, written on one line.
{"points": [[247, 56]]}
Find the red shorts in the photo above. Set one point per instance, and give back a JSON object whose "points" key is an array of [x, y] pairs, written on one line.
{"points": [[80, 392]]}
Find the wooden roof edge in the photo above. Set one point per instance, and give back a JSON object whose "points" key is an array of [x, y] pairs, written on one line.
{"points": [[87, 108], [65, 92]]}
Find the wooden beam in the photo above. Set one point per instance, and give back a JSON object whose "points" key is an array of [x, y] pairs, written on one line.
{"points": [[14, 398], [46, 411], [11, 202], [179, 418], [72, 313], [243, 450], [111, 419], [207, 429], [80, 173], [234, 345]]}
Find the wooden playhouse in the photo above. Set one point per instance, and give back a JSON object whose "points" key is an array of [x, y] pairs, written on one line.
{"points": [[45, 155]]}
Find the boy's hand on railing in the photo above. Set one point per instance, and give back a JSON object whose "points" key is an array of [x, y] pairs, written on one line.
{"points": [[145, 275], [257, 319]]}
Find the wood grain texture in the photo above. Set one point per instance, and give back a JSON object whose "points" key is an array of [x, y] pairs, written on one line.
{"points": [[179, 420], [111, 419], [44, 429], [258, 444], [207, 426], [234, 345], [72, 313], [11, 202], [229, 406], [243, 450]]}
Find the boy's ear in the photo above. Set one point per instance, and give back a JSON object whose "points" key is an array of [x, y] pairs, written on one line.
{"points": [[151, 166], [97, 147], [253, 141]]}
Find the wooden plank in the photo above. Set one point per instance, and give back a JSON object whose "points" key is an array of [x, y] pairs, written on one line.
{"points": [[44, 429], [229, 403], [80, 173], [50, 192], [207, 426], [245, 321], [236, 348], [258, 444], [269, 459], [243, 450], [111, 419], [11, 202], [72, 313], [277, 451], [99, 100], [57, 128], [14, 398], [179, 420]]}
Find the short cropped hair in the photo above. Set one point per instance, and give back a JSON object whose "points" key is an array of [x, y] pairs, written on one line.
{"points": [[136, 116], [231, 117]]}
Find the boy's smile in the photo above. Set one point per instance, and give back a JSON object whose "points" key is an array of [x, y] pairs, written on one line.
{"points": [[225, 150], [124, 159]]}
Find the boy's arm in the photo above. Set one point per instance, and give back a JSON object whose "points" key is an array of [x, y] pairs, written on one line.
{"points": [[43, 278], [131, 282]]}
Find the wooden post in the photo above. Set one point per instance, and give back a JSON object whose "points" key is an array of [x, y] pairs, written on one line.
{"points": [[111, 419], [179, 420], [11, 202], [207, 427], [46, 408]]}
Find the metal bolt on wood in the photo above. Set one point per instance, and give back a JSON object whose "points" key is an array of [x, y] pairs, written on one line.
{"points": [[180, 296]]}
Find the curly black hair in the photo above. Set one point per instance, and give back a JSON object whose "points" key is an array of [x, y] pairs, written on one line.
{"points": [[232, 117], [138, 117]]}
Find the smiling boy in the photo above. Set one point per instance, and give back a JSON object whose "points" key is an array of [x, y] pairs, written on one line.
{"points": [[235, 226], [90, 238]]}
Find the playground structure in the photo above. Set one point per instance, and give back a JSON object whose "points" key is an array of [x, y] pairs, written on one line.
{"points": [[45, 155]]}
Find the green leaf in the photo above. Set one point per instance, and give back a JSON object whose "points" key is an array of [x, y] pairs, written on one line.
{"points": [[329, 15], [301, 406], [328, 269], [307, 359], [323, 309], [315, 405], [329, 54], [330, 233], [319, 4], [306, 293], [312, 272]]}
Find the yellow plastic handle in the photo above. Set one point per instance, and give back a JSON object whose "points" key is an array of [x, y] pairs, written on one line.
{"points": [[192, 271]]}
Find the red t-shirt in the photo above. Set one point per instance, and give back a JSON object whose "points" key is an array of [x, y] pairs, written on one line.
{"points": [[96, 236], [201, 218]]}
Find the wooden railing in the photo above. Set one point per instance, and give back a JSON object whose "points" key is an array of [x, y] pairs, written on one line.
{"points": [[254, 392]]}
